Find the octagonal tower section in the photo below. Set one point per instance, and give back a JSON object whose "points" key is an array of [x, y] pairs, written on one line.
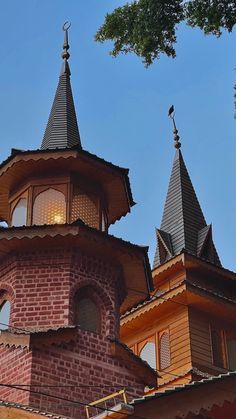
{"points": [[66, 279]]}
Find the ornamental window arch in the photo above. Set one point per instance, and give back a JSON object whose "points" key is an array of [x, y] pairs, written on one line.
{"points": [[49, 207], [90, 298], [88, 314]]}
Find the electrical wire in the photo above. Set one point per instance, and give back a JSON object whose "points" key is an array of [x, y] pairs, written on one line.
{"points": [[153, 298], [156, 297], [76, 402], [69, 386]]}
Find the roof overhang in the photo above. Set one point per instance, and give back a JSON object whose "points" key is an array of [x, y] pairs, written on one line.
{"points": [[200, 397], [11, 410], [194, 263], [37, 338], [23, 165], [133, 259]]}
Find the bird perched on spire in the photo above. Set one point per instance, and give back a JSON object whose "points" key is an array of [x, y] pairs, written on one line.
{"points": [[171, 110], [171, 114]]}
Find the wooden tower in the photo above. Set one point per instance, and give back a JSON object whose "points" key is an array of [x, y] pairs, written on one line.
{"points": [[187, 329], [66, 279]]}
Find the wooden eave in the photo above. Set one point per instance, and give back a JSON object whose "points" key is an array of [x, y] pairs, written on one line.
{"points": [[38, 338], [190, 399], [210, 302], [164, 271], [11, 410], [21, 166], [141, 369], [200, 265], [192, 263], [132, 258], [145, 314]]}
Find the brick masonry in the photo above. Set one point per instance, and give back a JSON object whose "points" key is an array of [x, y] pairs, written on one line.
{"points": [[42, 287]]}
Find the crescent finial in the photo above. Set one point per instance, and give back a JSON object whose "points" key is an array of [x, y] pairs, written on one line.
{"points": [[66, 26]]}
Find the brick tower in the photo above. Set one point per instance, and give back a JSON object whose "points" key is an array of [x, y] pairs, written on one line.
{"points": [[65, 278]]}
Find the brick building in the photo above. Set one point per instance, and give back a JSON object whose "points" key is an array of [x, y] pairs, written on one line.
{"points": [[67, 281], [65, 278]]}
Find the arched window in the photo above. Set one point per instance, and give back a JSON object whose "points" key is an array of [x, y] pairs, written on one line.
{"points": [[85, 207], [19, 215], [49, 208], [164, 351], [5, 309], [87, 313], [148, 354]]}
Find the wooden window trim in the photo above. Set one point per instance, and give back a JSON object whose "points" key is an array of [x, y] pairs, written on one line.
{"points": [[224, 347], [160, 334], [13, 205]]}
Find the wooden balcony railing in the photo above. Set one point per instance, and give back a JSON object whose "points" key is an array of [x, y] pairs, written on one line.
{"points": [[107, 403]]}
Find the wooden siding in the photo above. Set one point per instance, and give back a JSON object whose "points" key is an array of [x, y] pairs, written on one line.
{"points": [[180, 352], [201, 341]]}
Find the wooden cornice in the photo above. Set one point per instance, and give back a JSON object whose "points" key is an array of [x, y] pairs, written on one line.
{"points": [[23, 165], [35, 338], [189, 399], [132, 259]]}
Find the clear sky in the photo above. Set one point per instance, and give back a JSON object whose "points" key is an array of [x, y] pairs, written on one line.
{"points": [[122, 108]]}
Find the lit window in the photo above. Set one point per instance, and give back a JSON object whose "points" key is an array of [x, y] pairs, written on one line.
{"points": [[19, 215], [49, 208], [84, 207], [5, 314], [231, 348], [87, 315], [148, 354], [164, 350]]}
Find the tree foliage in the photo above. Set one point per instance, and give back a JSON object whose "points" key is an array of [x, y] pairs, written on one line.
{"points": [[148, 27]]}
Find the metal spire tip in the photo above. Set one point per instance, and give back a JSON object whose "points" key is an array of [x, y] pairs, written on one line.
{"points": [[171, 114], [65, 54]]}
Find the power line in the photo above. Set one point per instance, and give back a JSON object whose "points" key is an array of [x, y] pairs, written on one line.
{"points": [[76, 402], [156, 297], [68, 386]]}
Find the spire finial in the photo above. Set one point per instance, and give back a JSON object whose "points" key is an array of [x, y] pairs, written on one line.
{"points": [[171, 114], [65, 54]]}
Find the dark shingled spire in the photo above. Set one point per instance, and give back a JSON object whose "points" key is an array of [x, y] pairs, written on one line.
{"points": [[183, 224], [62, 129]]}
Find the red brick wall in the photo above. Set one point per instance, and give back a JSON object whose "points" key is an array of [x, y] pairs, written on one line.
{"points": [[44, 285], [42, 288], [88, 366], [15, 368]]}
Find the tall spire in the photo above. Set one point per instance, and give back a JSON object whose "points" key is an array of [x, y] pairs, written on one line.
{"points": [[183, 225], [62, 129]]}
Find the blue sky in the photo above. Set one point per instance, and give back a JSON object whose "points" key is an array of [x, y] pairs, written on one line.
{"points": [[122, 108]]}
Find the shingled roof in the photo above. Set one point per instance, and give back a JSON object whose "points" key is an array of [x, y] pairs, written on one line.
{"points": [[183, 225], [62, 129]]}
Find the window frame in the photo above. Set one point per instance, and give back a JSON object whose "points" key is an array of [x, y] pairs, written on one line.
{"points": [[4, 300], [160, 334], [82, 293], [223, 346]]}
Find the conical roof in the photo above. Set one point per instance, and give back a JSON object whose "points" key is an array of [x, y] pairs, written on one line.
{"points": [[183, 225], [62, 128]]}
